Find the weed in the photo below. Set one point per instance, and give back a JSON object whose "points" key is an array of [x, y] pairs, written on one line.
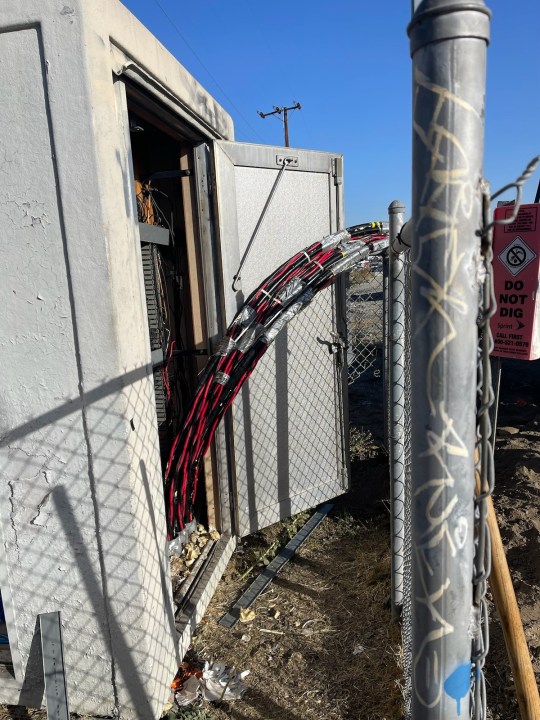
{"points": [[260, 549], [190, 714], [362, 444]]}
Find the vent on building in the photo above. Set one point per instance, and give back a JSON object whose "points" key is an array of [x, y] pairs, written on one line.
{"points": [[150, 261]]}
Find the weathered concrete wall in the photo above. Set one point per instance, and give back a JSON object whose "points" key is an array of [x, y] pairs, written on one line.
{"points": [[81, 505]]}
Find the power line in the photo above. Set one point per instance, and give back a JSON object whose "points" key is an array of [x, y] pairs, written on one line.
{"points": [[177, 30]]}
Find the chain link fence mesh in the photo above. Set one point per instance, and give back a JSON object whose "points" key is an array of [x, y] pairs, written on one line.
{"points": [[365, 340], [365, 320], [369, 395]]}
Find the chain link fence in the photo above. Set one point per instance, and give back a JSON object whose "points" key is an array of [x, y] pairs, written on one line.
{"points": [[375, 382], [365, 320], [365, 343]]}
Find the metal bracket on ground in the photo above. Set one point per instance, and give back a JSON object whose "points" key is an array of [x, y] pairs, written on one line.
{"points": [[278, 563], [54, 671]]}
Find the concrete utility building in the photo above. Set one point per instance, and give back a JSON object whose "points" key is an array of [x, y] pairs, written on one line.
{"points": [[126, 206]]}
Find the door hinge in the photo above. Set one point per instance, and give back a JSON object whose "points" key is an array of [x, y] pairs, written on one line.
{"points": [[337, 170]]}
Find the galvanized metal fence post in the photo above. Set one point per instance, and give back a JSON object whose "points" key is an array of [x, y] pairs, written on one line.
{"points": [[396, 392], [387, 378], [448, 47]]}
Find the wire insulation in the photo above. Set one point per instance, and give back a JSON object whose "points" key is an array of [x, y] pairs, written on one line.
{"points": [[279, 298]]}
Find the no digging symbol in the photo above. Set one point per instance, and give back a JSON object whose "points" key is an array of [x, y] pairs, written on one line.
{"points": [[516, 256]]}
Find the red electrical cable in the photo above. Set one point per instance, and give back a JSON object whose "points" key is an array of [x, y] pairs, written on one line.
{"points": [[312, 270]]}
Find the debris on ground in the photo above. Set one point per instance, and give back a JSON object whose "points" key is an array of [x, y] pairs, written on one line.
{"points": [[185, 672], [220, 682], [188, 551], [215, 682], [189, 692], [247, 615]]}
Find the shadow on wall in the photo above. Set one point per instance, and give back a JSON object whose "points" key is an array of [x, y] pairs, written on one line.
{"points": [[81, 536], [288, 448]]}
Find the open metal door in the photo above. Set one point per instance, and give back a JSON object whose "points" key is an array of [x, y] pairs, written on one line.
{"points": [[288, 423]]}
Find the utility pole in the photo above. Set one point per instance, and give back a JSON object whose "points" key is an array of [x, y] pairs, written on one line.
{"points": [[277, 111]]}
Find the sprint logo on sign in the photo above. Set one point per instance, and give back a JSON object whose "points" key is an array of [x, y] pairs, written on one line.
{"points": [[517, 255]]}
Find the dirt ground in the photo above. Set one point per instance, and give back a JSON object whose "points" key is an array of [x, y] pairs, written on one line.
{"points": [[517, 503], [322, 644]]}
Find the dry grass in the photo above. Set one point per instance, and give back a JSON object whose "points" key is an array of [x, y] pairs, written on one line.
{"points": [[360, 275], [322, 644]]}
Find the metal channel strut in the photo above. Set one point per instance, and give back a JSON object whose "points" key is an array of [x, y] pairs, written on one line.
{"points": [[273, 568], [52, 649]]}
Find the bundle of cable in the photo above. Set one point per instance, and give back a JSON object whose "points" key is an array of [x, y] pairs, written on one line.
{"points": [[279, 298]]}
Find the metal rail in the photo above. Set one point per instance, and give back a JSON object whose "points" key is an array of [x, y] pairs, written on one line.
{"points": [[396, 331]]}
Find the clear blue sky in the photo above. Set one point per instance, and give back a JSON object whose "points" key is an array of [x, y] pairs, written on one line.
{"points": [[347, 62]]}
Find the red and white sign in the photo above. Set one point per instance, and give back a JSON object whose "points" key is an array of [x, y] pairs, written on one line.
{"points": [[516, 272]]}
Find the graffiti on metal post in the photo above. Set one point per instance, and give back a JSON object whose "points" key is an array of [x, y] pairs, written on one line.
{"points": [[446, 197]]}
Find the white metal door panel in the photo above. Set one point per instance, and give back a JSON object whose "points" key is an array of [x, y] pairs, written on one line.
{"points": [[288, 421]]}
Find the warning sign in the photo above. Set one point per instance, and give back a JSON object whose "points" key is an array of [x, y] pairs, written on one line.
{"points": [[516, 272], [517, 255], [525, 221]]}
